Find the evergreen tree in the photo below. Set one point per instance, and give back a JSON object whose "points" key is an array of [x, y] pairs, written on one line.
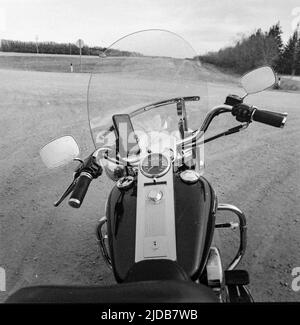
{"points": [[274, 36], [275, 32], [287, 59], [297, 59]]}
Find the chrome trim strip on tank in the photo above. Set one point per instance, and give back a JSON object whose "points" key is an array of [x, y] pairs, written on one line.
{"points": [[155, 235]]}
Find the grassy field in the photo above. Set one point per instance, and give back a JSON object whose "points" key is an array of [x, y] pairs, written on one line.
{"points": [[61, 63], [257, 170], [46, 62], [290, 83]]}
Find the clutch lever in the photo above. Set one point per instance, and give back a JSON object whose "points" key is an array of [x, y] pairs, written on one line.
{"points": [[77, 173], [72, 185], [67, 192]]}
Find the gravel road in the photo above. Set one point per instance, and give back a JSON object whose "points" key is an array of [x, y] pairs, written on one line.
{"points": [[257, 170]]}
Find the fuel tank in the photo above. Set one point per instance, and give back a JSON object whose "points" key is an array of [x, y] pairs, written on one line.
{"points": [[195, 208]]}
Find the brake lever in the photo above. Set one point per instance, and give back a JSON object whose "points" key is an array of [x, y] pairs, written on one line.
{"points": [[72, 185]]}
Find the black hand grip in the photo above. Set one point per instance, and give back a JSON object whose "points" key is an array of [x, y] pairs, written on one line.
{"points": [[80, 190], [271, 118]]}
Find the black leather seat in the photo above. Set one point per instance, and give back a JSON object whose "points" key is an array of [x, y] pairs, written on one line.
{"points": [[146, 292], [147, 281]]}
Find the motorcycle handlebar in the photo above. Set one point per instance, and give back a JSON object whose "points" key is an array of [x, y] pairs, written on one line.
{"points": [[80, 189], [269, 117]]}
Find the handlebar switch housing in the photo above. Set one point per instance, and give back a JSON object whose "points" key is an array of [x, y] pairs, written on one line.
{"points": [[242, 112], [90, 170], [233, 100], [91, 166]]}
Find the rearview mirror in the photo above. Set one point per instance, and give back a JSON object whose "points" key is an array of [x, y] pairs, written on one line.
{"points": [[258, 80], [59, 152]]}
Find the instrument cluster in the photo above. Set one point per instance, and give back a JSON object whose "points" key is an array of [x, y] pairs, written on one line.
{"points": [[155, 165]]}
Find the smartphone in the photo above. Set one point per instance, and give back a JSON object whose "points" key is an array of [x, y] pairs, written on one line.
{"points": [[126, 140]]}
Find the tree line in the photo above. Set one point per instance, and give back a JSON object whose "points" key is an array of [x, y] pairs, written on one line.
{"points": [[260, 48], [57, 48]]}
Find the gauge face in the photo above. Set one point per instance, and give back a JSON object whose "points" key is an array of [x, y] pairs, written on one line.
{"points": [[155, 165]]}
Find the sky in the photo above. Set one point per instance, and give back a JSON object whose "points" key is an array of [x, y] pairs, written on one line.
{"points": [[206, 24]]}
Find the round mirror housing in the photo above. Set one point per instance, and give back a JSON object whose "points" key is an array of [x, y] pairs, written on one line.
{"points": [[258, 80], [59, 152]]}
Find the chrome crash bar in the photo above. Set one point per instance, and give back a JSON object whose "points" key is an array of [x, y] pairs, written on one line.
{"points": [[243, 233], [101, 240]]}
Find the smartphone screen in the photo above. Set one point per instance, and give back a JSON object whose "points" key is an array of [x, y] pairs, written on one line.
{"points": [[127, 142]]}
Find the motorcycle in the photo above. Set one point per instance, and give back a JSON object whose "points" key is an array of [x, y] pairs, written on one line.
{"points": [[146, 96]]}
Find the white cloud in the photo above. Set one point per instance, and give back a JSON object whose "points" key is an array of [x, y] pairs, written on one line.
{"points": [[2, 20]]}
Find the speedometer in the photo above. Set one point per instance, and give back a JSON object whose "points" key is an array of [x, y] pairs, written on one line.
{"points": [[155, 165]]}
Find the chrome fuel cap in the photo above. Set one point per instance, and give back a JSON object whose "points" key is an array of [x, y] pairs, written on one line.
{"points": [[190, 176], [155, 196]]}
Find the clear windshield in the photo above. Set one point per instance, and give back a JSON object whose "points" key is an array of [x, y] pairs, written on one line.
{"points": [[140, 69]]}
